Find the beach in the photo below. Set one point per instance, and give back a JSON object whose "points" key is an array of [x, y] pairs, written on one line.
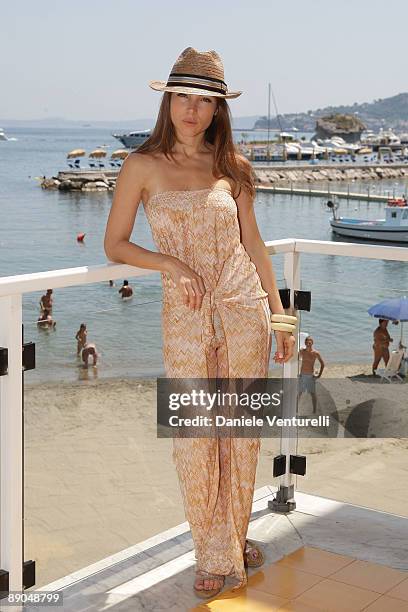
{"points": [[98, 480]]}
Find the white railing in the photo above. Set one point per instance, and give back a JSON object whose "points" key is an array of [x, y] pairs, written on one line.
{"points": [[12, 289]]}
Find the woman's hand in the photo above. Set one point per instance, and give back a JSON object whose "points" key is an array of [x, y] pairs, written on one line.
{"points": [[285, 344], [190, 284]]}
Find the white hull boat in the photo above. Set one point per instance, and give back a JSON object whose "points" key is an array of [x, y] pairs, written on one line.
{"points": [[394, 228], [133, 140]]}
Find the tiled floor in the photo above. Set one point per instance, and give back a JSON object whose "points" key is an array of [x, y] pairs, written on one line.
{"points": [[315, 580], [324, 556]]}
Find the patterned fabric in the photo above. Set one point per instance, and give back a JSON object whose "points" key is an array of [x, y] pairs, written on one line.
{"points": [[230, 336]]}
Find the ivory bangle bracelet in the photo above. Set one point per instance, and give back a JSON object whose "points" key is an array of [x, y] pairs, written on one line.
{"points": [[283, 318], [283, 327]]}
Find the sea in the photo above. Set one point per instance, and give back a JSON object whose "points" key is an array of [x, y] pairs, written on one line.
{"points": [[38, 230]]}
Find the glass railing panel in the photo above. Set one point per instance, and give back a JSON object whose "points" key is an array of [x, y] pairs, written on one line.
{"points": [[360, 457], [97, 478]]}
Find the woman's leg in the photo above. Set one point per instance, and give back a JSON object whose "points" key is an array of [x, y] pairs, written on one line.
{"points": [[378, 353], [216, 474], [243, 351]]}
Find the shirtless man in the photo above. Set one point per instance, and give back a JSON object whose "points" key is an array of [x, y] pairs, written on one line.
{"points": [[125, 290], [46, 301], [307, 378]]}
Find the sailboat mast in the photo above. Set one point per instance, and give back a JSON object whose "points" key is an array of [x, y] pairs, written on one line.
{"points": [[269, 116]]}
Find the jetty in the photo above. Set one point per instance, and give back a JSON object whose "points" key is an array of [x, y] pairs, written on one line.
{"points": [[82, 180], [266, 175], [310, 173], [324, 193]]}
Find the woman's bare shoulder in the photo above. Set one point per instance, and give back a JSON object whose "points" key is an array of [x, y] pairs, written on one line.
{"points": [[140, 161], [144, 166]]}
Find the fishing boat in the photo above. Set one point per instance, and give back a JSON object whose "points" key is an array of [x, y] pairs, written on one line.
{"points": [[394, 228]]}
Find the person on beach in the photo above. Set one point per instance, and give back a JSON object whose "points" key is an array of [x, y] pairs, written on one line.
{"points": [[46, 302], [126, 291], [88, 350], [80, 336], [218, 293], [382, 341], [307, 377]]}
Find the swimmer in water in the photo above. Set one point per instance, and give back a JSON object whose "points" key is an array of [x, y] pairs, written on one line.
{"points": [[45, 319], [81, 338], [46, 302], [89, 349], [126, 291]]}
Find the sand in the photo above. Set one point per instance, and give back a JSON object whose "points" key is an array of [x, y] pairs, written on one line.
{"points": [[97, 478]]}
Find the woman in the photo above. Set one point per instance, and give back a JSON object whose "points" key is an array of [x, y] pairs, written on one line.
{"points": [[80, 337], [382, 341], [219, 290]]}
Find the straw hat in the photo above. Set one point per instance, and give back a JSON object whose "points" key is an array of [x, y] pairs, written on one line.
{"points": [[197, 72]]}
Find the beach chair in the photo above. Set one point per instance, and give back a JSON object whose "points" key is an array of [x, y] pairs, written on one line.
{"points": [[392, 367]]}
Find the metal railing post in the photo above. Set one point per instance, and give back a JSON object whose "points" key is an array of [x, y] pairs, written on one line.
{"points": [[11, 441], [285, 497]]}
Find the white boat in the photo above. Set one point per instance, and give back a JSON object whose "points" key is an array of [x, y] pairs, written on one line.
{"points": [[384, 137], [337, 143], [394, 228], [282, 151], [133, 140], [2, 135]]}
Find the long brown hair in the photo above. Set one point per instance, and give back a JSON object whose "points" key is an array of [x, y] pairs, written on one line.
{"points": [[218, 133]]}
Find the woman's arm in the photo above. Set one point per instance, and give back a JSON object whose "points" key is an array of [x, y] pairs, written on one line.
{"points": [[127, 196], [256, 249]]}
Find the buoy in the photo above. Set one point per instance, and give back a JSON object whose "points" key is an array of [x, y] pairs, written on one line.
{"points": [[80, 237]]}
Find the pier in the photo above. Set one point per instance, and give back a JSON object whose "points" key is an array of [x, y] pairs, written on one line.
{"points": [[307, 173], [267, 176], [323, 193]]}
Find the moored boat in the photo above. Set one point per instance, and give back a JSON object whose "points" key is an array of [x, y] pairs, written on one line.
{"points": [[132, 140], [394, 228]]}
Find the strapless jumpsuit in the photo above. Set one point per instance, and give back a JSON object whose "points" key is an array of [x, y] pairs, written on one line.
{"points": [[229, 336]]}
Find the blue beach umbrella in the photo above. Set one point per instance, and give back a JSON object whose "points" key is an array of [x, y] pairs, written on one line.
{"points": [[393, 309]]}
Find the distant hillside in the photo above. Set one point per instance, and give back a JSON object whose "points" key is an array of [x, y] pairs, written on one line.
{"points": [[386, 112], [123, 124]]}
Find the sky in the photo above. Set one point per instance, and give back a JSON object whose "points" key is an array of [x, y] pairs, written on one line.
{"points": [[92, 59]]}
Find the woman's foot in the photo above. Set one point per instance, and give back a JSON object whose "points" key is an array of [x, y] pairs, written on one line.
{"points": [[207, 584]]}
